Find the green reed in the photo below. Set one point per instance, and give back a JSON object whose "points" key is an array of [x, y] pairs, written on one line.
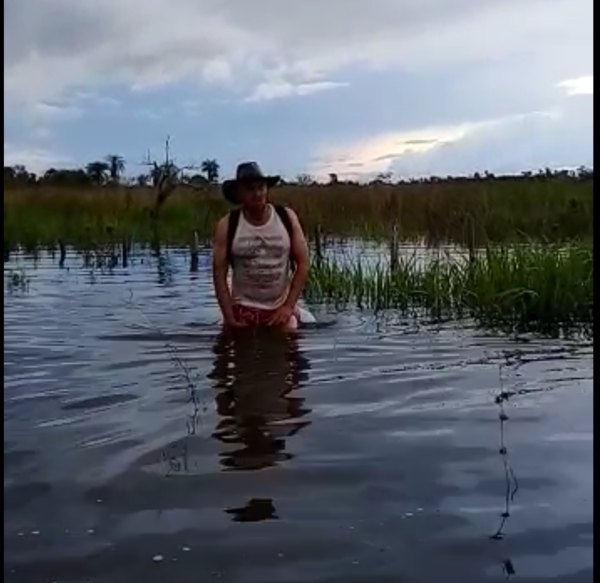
{"points": [[475, 212], [533, 288]]}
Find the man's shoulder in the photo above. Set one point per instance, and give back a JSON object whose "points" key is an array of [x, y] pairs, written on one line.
{"points": [[227, 217], [287, 210], [223, 225], [291, 217]]}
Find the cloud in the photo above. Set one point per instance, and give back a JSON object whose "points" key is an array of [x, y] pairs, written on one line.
{"points": [[561, 136], [376, 154], [42, 112], [89, 98], [279, 89], [352, 87], [379, 153], [55, 46], [35, 160], [579, 86], [558, 139]]}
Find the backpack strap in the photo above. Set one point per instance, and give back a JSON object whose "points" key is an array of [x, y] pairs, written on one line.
{"points": [[234, 219], [287, 223], [285, 219]]}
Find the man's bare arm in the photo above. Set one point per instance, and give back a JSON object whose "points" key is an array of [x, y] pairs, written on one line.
{"points": [[220, 265], [299, 253]]}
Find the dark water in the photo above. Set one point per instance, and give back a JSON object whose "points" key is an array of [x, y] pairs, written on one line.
{"points": [[141, 446]]}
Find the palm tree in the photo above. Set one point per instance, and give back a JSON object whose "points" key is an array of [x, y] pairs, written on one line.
{"points": [[97, 171], [211, 169], [116, 166]]}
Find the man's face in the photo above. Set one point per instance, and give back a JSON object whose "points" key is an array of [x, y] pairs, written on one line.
{"points": [[253, 195]]}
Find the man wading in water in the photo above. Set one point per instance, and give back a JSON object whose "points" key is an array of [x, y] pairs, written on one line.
{"points": [[266, 248]]}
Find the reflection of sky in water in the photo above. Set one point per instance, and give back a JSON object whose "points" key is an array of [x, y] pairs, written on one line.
{"points": [[396, 474], [373, 255]]}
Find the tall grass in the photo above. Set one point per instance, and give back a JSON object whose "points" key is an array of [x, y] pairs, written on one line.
{"points": [[476, 212], [536, 288]]}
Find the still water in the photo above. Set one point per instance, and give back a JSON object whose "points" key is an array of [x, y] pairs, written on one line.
{"points": [[142, 446]]}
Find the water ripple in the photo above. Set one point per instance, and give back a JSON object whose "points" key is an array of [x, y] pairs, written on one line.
{"points": [[140, 444]]}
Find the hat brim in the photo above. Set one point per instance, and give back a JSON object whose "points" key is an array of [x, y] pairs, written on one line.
{"points": [[229, 188]]}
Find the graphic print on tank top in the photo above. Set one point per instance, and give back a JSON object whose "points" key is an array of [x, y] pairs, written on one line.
{"points": [[261, 263]]}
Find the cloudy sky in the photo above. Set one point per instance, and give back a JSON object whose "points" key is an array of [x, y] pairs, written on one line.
{"points": [[356, 87]]}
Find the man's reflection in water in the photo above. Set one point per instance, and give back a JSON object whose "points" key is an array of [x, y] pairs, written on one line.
{"points": [[256, 510], [256, 375]]}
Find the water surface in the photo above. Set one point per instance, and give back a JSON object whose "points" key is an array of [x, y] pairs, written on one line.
{"points": [[142, 445]]}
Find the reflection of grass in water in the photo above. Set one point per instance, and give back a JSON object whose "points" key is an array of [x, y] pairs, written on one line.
{"points": [[176, 455], [512, 483], [17, 281], [190, 379], [534, 288]]}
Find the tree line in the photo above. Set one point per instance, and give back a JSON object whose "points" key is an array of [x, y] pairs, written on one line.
{"points": [[111, 171]]}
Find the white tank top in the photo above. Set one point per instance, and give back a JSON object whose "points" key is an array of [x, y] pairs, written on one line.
{"points": [[261, 267]]}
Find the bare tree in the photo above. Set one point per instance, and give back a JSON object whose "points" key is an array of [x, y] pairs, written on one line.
{"points": [[383, 178], [304, 179], [165, 177]]}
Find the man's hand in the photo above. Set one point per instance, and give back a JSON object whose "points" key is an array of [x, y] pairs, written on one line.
{"points": [[281, 316], [299, 252], [233, 323], [220, 269]]}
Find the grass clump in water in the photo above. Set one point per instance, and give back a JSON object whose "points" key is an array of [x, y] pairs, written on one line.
{"points": [[530, 288], [17, 281]]}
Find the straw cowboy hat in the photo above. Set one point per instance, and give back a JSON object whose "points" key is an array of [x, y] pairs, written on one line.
{"points": [[246, 172]]}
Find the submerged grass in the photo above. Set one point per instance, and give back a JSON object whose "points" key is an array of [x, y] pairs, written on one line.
{"points": [[513, 288], [463, 211], [546, 289]]}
